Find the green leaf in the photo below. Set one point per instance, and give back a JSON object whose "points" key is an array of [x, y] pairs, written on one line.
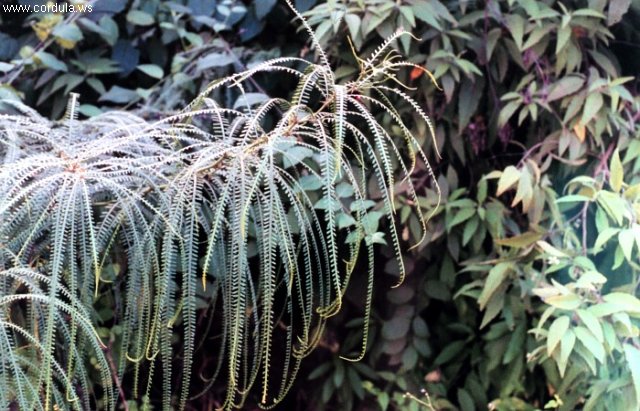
{"points": [[551, 250], [140, 18], [319, 371], [605, 63], [592, 323], [536, 36], [151, 70], [383, 400], [450, 352], [509, 177], [627, 302], [565, 302], [5, 67], [572, 198], [338, 375], [588, 13], [470, 229], [371, 221], [516, 346], [589, 279], [564, 87], [89, 110], [632, 354], [110, 28], [496, 276], [424, 11], [626, 240], [591, 343], [616, 172], [420, 327], [587, 357], [214, 60], [567, 342], [345, 220], [395, 328], [564, 34], [355, 382], [409, 358], [524, 192], [494, 306], [520, 241], [460, 216], [603, 237], [592, 105], [407, 13], [515, 24], [507, 111], [50, 61], [263, 8], [68, 32], [353, 23], [604, 309], [119, 95], [482, 190], [465, 400], [468, 101], [556, 331], [613, 204], [310, 182]]}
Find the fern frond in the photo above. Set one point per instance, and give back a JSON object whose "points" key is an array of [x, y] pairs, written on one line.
{"points": [[251, 205]]}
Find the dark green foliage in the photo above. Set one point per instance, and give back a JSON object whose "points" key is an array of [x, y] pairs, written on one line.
{"points": [[152, 53]]}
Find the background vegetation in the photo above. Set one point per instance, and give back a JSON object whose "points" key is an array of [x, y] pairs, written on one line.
{"points": [[524, 293]]}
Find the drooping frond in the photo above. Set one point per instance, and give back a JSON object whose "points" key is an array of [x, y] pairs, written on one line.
{"points": [[31, 303], [251, 206]]}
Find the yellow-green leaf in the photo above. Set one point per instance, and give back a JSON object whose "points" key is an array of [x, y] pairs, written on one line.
{"points": [[507, 111], [564, 87], [591, 343], [592, 105], [509, 177], [556, 331], [626, 240], [519, 241], [565, 302], [516, 24], [551, 250], [496, 276], [567, 342], [627, 302], [524, 192], [632, 354], [592, 324], [616, 173]]}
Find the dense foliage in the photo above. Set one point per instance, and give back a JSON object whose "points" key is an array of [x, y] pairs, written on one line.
{"points": [[528, 282], [522, 295]]}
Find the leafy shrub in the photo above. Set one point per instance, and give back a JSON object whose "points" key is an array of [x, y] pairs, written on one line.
{"points": [[533, 98], [154, 53]]}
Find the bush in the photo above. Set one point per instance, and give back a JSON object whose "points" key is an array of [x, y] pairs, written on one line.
{"points": [[524, 297]]}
